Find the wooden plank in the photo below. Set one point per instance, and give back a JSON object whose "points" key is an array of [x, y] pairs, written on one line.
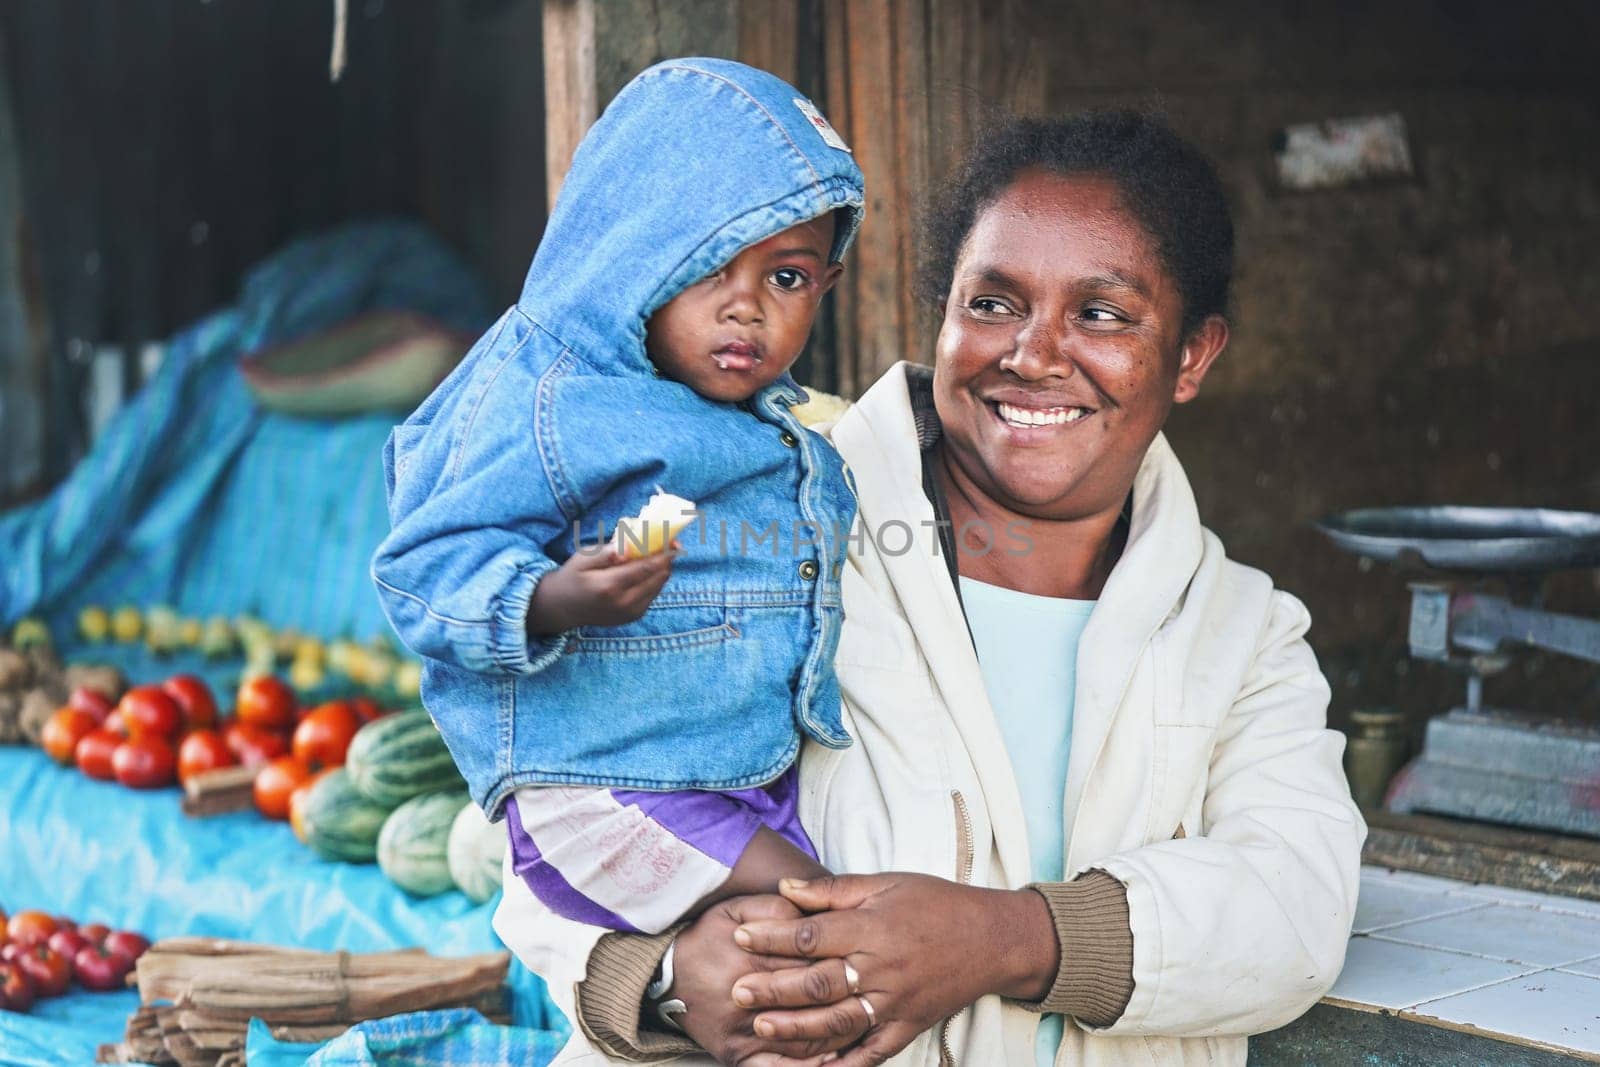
{"points": [[1477, 852], [571, 101]]}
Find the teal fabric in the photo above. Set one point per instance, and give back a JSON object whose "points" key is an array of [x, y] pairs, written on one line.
{"points": [[96, 851], [196, 497], [461, 1038], [1028, 651]]}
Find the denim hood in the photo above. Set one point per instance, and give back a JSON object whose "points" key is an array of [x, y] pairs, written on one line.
{"points": [[695, 160]]}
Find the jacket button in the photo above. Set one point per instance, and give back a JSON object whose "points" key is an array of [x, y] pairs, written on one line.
{"points": [[789, 440], [808, 570]]}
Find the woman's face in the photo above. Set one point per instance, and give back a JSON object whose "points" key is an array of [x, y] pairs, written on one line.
{"points": [[1061, 349]]}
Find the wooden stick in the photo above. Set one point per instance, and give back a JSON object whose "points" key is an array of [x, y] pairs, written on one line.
{"points": [[216, 792]]}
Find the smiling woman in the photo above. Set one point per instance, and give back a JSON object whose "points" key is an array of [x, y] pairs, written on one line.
{"points": [[1094, 759]]}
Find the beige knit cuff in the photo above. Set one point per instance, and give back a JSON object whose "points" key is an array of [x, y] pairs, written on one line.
{"points": [[1095, 980], [608, 1001]]}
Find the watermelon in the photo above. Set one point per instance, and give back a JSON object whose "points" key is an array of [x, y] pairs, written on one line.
{"points": [[412, 848], [338, 822], [401, 756], [474, 853]]}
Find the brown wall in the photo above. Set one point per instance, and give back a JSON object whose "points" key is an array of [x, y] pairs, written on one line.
{"points": [[1430, 342]]}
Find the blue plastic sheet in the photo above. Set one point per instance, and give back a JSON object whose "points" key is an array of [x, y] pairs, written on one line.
{"points": [[99, 852], [460, 1038], [196, 497]]}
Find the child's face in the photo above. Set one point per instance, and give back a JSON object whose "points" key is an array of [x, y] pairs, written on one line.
{"points": [[731, 334]]}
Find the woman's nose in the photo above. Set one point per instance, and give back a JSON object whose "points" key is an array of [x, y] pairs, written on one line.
{"points": [[1039, 352]]}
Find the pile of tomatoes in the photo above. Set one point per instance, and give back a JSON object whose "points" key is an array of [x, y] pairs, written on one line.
{"points": [[42, 955], [157, 734]]}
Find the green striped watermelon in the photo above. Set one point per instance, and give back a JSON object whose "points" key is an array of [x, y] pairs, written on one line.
{"points": [[401, 756], [413, 846], [339, 823]]}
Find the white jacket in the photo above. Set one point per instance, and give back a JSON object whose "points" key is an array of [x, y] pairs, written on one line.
{"points": [[1202, 775]]}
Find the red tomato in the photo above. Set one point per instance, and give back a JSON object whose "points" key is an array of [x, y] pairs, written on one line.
{"points": [[144, 762], [63, 730], [10, 950], [323, 736], [274, 784], [266, 702], [29, 928], [115, 724], [147, 711], [93, 701], [94, 752], [253, 746], [366, 709], [64, 923], [94, 932], [16, 988], [201, 751], [51, 973], [128, 943], [195, 702], [100, 968], [67, 943]]}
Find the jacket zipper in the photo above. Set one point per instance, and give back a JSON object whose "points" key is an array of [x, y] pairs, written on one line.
{"points": [[964, 862]]}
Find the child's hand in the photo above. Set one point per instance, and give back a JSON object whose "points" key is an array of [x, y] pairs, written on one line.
{"points": [[596, 587]]}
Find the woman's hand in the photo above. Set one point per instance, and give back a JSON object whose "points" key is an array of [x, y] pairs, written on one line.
{"points": [[921, 948], [706, 965]]}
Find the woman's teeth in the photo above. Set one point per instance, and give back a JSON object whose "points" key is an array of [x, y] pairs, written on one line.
{"points": [[1037, 417]]}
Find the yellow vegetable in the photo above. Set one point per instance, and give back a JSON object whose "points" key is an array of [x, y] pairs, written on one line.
{"points": [[161, 626], [189, 633], [94, 623], [30, 633], [408, 679], [127, 624], [306, 674], [216, 638]]}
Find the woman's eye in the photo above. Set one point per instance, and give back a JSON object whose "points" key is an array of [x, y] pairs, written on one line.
{"points": [[988, 305], [789, 278]]}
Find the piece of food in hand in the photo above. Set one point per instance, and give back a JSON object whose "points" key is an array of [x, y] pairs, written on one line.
{"points": [[663, 518]]}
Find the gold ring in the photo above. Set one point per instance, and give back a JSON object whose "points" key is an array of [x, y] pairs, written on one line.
{"points": [[872, 1016], [852, 978]]}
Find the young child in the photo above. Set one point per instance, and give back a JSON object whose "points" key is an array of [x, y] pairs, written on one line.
{"points": [[636, 720]]}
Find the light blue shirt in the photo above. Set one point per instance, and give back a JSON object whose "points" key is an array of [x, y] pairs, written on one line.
{"points": [[1028, 650]]}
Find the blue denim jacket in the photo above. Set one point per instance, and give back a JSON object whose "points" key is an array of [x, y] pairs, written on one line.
{"points": [[556, 420]]}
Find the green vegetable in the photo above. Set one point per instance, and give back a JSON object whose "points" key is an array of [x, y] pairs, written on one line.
{"points": [[339, 823], [413, 846], [401, 756], [475, 852]]}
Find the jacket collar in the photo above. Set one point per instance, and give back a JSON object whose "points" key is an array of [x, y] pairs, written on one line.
{"points": [[882, 438]]}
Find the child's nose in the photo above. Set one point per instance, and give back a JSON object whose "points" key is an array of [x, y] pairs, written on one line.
{"points": [[742, 305]]}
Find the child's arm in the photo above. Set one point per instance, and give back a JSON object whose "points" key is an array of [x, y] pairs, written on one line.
{"points": [[766, 860]]}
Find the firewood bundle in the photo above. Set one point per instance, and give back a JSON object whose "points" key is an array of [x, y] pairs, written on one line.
{"points": [[198, 995]]}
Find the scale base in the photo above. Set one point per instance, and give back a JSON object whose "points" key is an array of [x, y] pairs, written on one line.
{"points": [[1501, 767]]}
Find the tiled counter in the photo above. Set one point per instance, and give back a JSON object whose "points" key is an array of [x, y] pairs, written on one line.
{"points": [[1444, 972]]}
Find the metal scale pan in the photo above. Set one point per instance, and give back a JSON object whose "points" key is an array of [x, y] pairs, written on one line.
{"points": [[1478, 540], [1516, 768]]}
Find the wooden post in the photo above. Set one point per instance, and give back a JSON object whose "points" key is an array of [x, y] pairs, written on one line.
{"points": [[570, 93]]}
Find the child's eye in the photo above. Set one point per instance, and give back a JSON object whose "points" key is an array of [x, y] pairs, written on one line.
{"points": [[789, 278], [1101, 314]]}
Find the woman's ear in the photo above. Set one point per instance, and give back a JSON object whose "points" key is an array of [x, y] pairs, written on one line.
{"points": [[1200, 350]]}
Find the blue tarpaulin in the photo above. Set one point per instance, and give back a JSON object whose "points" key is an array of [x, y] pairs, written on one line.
{"points": [[96, 851], [196, 497]]}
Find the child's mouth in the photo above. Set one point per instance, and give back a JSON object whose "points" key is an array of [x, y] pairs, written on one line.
{"points": [[737, 356]]}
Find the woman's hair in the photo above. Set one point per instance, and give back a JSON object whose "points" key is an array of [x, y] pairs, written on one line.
{"points": [[1165, 182]]}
